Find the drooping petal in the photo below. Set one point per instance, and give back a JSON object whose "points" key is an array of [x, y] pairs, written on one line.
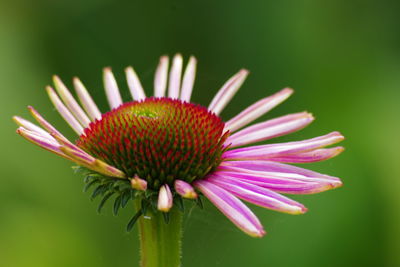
{"points": [[232, 208], [264, 152], [279, 170], [86, 100], [310, 156], [257, 195], [278, 182], [41, 141], [270, 129], [227, 91], [32, 127], [64, 112], [134, 84], [45, 124], [161, 76], [70, 102], [165, 199], [175, 77], [257, 110], [188, 79], [112, 91], [185, 189]]}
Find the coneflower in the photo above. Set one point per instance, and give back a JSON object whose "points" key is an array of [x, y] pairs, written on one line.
{"points": [[159, 150]]}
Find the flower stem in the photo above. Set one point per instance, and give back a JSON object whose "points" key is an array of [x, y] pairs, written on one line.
{"points": [[160, 242]]}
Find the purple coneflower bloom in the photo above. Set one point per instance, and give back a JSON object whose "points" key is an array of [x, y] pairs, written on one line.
{"points": [[171, 148]]}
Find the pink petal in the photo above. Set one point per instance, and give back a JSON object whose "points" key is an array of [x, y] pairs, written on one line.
{"points": [[64, 112], [264, 152], [32, 127], [257, 195], [227, 91], [188, 80], [175, 77], [86, 100], [279, 170], [70, 102], [310, 156], [257, 110], [270, 129], [278, 183], [112, 91], [232, 208], [161, 76], [134, 84]]}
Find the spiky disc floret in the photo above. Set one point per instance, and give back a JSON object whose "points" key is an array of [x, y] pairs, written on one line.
{"points": [[158, 139]]}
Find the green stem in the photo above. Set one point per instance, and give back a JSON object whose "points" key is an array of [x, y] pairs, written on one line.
{"points": [[160, 242]]}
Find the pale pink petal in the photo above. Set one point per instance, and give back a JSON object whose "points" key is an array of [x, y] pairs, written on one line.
{"points": [[86, 100], [138, 183], [64, 112], [232, 208], [165, 199], [45, 124], [70, 102], [278, 171], [112, 91], [41, 141], [175, 77], [134, 84], [161, 76], [270, 129], [310, 156], [257, 110], [32, 127], [185, 189], [264, 152], [278, 182], [257, 195], [188, 80], [227, 91]]}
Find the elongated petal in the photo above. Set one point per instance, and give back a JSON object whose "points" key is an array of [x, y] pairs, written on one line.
{"points": [[165, 199], [32, 127], [45, 124], [175, 77], [264, 152], [278, 182], [86, 100], [188, 80], [161, 76], [227, 91], [112, 91], [92, 163], [64, 112], [279, 170], [257, 110], [232, 208], [310, 156], [184, 189], [134, 84], [257, 195], [41, 141], [270, 129], [70, 102]]}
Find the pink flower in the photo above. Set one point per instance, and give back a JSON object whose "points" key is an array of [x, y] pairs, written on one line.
{"points": [[168, 147]]}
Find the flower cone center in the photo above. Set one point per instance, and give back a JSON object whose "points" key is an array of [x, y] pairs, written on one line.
{"points": [[158, 139]]}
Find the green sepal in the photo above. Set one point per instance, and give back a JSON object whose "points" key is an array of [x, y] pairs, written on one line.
{"points": [[103, 201], [117, 205], [133, 220]]}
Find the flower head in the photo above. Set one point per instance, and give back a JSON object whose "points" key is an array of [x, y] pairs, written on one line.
{"points": [[165, 148]]}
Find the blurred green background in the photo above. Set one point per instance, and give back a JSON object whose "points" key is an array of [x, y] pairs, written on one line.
{"points": [[341, 57]]}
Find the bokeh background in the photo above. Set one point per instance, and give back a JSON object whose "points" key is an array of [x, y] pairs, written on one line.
{"points": [[341, 57]]}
